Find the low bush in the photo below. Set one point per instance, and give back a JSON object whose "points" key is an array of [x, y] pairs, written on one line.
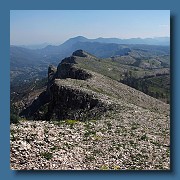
{"points": [[14, 118]]}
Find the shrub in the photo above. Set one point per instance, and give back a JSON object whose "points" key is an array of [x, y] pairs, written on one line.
{"points": [[14, 119], [47, 155], [144, 137]]}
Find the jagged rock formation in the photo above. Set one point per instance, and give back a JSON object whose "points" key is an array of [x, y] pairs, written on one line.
{"points": [[60, 102], [70, 103], [76, 93]]}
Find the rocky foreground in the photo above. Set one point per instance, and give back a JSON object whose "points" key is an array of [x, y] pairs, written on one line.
{"points": [[131, 140]]}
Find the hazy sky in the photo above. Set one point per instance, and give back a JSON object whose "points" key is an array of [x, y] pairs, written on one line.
{"points": [[56, 26]]}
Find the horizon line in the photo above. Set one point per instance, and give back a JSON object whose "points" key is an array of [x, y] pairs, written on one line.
{"points": [[58, 43]]}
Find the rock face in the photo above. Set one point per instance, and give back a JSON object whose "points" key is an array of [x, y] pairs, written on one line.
{"points": [[51, 73], [69, 103], [35, 110]]}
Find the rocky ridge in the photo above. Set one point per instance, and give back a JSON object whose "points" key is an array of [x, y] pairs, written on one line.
{"points": [[74, 90]]}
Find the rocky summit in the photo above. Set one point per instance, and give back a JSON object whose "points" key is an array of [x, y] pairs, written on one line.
{"points": [[84, 120]]}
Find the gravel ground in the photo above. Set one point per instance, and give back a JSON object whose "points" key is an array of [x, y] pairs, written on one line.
{"points": [[130, 139]]}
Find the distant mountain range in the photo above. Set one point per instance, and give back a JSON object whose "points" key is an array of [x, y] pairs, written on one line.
{"points": [[71, 41], [21, 56], [149, 41], [101, 47]]}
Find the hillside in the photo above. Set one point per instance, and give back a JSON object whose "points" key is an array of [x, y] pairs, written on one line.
{"points": [[90, 121], [36, 61], [129, 64]]}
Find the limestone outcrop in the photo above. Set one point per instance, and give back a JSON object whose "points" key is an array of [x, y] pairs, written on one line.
{"points": [[62, 102]]}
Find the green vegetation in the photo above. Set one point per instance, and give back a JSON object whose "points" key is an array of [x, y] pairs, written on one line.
{"points": [[71, 121], [47, 155], [14, 118], [67, 145], [109, 125], [155, 86], [12, 137], [89, 158], [144, 137], [134, 126], [54, 148], [104, 167], [144, 71], [89, 133]]}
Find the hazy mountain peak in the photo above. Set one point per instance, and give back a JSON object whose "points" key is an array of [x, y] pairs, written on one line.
{"points": [[138, 40], [78, 38]]}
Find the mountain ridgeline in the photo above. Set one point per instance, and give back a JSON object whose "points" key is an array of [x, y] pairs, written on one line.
{"points": [[145, 68], [80, 89], [140, 66]]}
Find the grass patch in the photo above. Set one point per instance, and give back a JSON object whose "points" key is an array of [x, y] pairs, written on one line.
{"points": [[104, 167], [71, 122], [116, 168], [58, 123], [97, 138]]}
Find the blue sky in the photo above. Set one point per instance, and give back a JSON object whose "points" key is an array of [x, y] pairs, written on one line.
{"points": [[56, 26]]}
